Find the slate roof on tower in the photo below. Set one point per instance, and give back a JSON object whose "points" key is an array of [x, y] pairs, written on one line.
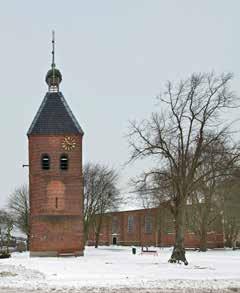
{"points": [[54, 117]]}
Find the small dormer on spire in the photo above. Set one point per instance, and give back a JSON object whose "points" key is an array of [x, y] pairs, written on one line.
{"points": [[54, 76]]}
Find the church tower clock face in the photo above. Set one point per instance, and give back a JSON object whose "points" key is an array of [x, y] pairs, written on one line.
{"points": [[68, 143]]}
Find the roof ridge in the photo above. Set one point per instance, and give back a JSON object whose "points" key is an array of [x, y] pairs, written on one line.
{"points": [[70, 113], [37, 114]]}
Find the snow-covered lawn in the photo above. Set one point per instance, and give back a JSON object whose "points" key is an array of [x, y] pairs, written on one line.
{"points": [[116, 267]]}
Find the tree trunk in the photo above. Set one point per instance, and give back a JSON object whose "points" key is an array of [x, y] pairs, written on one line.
{"points": [[28, 242], [178, 254], [203, 236], [85, 230], [97, 239], [228, 243], [8, 238], [203, 241], [1, 245], [228, 236], [98, 230]]}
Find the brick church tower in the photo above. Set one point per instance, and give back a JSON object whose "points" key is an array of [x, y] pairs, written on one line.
{"points": [[55, 175]]}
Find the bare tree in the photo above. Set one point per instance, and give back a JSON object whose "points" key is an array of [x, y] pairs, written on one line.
{"points": [[6, 227], [100, 195], [204, 213], [219, 161], [176, 137], [205, 209], [18, 205], [230, 190]]}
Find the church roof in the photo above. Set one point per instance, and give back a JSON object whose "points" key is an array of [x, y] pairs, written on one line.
{"points": [[54, 117]]}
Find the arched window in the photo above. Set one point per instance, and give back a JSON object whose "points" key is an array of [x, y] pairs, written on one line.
{"points": [[130, 224], [148, 224], [45, 162], [64, 162]]}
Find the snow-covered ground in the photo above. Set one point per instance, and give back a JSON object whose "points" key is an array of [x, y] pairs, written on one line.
{"points": [[116, 267]]}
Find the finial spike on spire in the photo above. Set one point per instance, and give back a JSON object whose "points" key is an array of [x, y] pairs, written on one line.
{"points": [[54, 76], [53, 49]]}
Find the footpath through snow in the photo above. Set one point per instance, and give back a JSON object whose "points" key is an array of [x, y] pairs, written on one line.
{"points": [[115, 268]]}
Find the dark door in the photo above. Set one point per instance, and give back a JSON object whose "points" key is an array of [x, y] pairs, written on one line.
{"points": [[114, 241]]}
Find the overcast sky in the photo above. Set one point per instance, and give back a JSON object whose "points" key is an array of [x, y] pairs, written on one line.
{"points": [[115, 57]]}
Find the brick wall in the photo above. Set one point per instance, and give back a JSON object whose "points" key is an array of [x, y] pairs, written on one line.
{"points": [[56, 196], [161, 234]]}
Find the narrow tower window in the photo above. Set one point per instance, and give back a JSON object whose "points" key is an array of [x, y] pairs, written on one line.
{"points": [[45, 162], [64, 162], [56, 202]]}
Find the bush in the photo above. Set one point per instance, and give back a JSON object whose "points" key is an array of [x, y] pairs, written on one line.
{"points": [[5, 254]]}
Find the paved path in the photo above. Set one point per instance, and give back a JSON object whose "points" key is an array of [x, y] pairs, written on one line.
{"points": [[123, 290]]}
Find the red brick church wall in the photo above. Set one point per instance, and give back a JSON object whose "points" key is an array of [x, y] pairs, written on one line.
{"points": [[162, 233]]}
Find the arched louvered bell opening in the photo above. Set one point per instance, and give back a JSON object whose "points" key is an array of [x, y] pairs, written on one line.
{"points": [[45, 162], [64, 162]]}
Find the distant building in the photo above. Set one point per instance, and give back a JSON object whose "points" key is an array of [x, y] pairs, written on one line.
{"points": [[55, 175], [146, 227]]}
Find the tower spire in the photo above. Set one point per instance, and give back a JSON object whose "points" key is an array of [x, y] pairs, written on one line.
{"points": [[53, 77]]}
